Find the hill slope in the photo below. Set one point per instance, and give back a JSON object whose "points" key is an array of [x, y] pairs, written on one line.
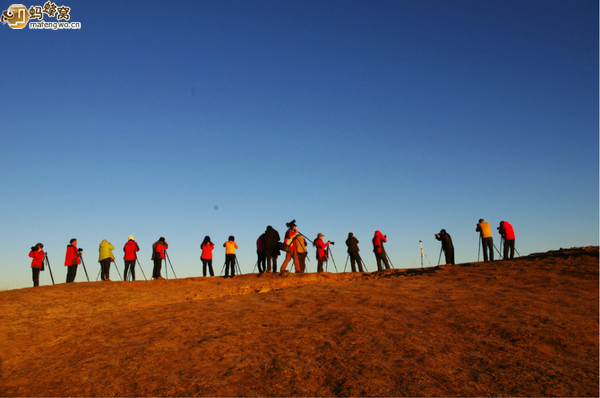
{"points": [[523, 327]]}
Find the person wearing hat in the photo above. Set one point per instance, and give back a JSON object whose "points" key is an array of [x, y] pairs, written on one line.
{"points": [[485, 233], [321, 251], [37, 264], [130, 249], [508, 234], [158, 255], [290, 247], [353, 249], [447, 246]]}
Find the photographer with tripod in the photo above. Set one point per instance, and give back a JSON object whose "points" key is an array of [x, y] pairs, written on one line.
{"points": [[158, 255], [447, 246], [321, 251], [379, 250], [487, 242], [290, 247], [230, 260], [72, 260], [271, 239], [105, 258], [507, 233], [130, 249], [37, 264], [353, 249]]}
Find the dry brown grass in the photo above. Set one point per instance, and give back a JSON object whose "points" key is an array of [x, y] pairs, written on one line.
{"points": [[527, 327]]}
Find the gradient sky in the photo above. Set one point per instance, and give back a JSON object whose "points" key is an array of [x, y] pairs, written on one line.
{"points": [[190, 118]]}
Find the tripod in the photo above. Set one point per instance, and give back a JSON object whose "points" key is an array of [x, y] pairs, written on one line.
{"points": [[425, 255], [362, 263], [85, 269], [49, 268], [166, 268], [329, 254], [138, 261]]}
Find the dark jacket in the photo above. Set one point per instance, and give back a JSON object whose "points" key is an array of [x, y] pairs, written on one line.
{"points": [[446, 241], [271, 239], [352, 244]]}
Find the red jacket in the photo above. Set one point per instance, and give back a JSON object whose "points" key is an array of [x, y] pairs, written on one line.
{"points": [[130, 249], [377, 239], [72, 256], [507, 229], [38, 258], [207, 250], [260, 243], [289, 239], [160, 248], [321, 246]]}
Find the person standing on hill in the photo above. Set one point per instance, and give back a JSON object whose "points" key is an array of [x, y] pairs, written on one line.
{"points": [[301, 252], [260, 253], [207, 254], [72, 260], [487, 243], [158, 255], [447, 246], [355, 260], [37, 264], [379, 250], [271, 239], [230, 247], [508, 234], [290, 245], [321, 251], [105, 258], [131, 248]]}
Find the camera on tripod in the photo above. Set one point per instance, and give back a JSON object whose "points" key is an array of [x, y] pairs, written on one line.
{"points": [[332, 243], [80, 250]]}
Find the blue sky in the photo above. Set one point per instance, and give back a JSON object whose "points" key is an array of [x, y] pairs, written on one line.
{"points": [[186, 119]]}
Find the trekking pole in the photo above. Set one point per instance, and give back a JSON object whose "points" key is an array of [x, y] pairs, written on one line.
{"points": [[138, 261], [49, 268], [169, 260], [83, 263]]}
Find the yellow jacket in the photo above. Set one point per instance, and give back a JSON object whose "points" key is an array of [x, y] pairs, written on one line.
{"points": [[106, 250]]}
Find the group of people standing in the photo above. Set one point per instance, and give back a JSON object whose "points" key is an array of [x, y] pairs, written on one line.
{"points": [[507, 235], [268, 249]]}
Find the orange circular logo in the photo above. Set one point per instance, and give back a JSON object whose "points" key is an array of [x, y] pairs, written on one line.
{"points": [[16, 16]]}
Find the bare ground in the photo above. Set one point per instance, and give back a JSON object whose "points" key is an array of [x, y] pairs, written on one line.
{"points": [[526, 327]]}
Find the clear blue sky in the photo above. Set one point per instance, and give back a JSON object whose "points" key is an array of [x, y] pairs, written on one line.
{"points": [[185, 119]]}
